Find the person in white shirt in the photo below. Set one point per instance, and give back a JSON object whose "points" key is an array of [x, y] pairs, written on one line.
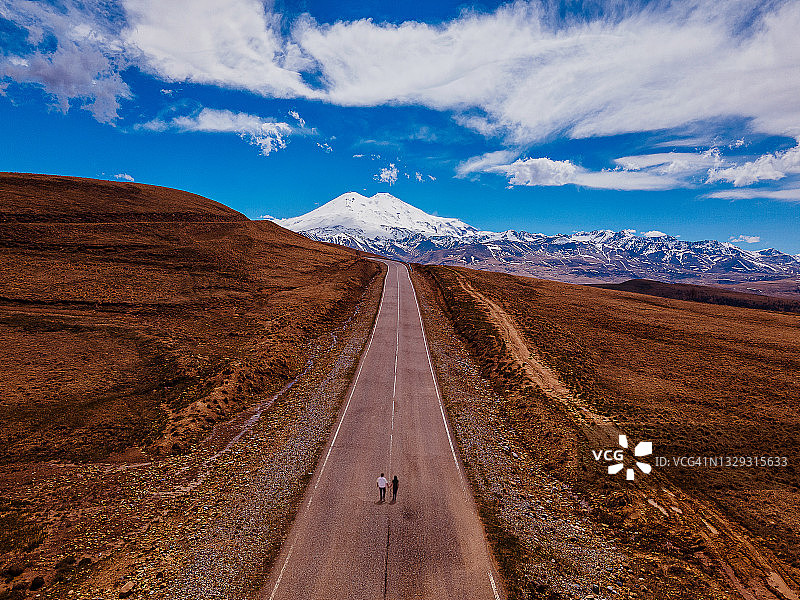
{"points": [[382, 487]]}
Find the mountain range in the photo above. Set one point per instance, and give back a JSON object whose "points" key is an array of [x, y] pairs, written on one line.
{"points": [[385, 225]]}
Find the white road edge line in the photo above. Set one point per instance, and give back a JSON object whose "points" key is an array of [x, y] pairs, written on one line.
{"points": [[436, 385], [444, 419], [394, 384], [494, 585], [280, 575], [341, 420]]}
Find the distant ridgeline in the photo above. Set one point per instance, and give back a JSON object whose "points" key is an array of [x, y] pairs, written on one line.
{"points": [[702, 293]]}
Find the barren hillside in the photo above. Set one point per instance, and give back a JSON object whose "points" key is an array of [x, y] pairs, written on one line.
{"points": [[133, 319], [576, 366]]}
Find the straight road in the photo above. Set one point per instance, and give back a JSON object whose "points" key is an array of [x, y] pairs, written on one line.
{"points": [[344, 544]]}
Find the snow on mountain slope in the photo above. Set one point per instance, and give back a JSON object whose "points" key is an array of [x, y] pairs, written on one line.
{"points": [[384, 224], [381, 216]]}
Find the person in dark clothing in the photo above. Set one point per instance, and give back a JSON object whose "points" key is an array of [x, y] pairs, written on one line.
{"points": [[395, 484]]}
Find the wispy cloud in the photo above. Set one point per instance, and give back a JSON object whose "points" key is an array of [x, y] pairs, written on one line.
{"points": [[788, 195], [485, 162], [268, 135], [587, 79], [124, 177], [672, 163], [235, 44], [71, 52], [296, 116], [580, 78], [422, 178], [657, 171], [547, 172]]}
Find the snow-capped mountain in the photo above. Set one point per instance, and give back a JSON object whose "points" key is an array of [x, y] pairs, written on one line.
{"points": [[384, 224], [381, 216]]}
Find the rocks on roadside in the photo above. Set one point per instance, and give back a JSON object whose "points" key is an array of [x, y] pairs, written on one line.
{"points": [[126, 590], [12, 572], [37, 583]]}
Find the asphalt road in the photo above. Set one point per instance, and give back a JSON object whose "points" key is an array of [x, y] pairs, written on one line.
{"points": [[344, 544]]}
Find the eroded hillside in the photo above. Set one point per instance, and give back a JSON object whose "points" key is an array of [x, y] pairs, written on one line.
{"points": [[573, 368], [133, 320]]}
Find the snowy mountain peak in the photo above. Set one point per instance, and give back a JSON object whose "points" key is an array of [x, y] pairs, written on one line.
{"points": [[381, 216], [384, 224]]}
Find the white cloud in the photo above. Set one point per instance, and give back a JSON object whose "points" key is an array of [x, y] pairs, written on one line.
{"points": [[547, 172], [657, 171], [324, 146], [747, 239], [358, 156], [235, 43], [268, 135], [649, 70], [484, 162], [388, 174], [654, 234], [656, 68], [539, 171], [626, 180], [85, 64], [687, 142], [789, 195], [666, 66], [123, 177], [296, 116], [418, 176], [672, 163], [766, 167]]}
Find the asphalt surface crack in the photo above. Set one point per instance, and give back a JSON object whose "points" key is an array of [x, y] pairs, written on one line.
{"points": [[386, 562]]}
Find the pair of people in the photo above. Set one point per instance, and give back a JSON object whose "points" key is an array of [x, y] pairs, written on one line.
{"points": [[383, 483]]}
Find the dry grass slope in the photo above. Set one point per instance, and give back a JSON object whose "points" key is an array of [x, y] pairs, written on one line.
{"points": [[133, 315], [133, 319], [696, 379]]}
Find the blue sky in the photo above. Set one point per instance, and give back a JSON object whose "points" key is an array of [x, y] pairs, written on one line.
{"points": [[679, 117]]}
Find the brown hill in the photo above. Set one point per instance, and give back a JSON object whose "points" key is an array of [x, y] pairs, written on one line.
{"points": [[30, 198], [134, 317], [576, 366], [703, 293]]}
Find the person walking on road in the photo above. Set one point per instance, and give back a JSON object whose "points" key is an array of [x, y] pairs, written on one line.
{"points": [[395, 484], [382, 487]]}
